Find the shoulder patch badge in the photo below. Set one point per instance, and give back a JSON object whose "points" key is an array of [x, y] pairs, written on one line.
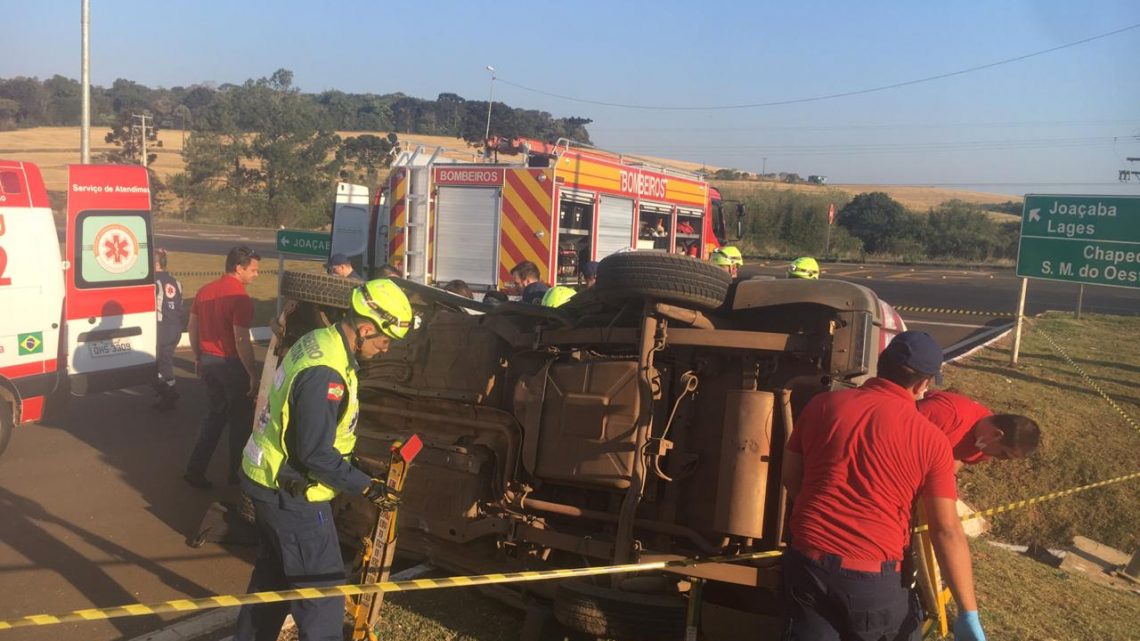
{"points": [[336, 391]]}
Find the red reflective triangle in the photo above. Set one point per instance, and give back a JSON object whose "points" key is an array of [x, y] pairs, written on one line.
{"points": [[411, 448]]}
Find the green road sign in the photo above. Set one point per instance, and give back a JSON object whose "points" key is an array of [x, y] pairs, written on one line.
{"points": [[1082, 239], [305, 243]]}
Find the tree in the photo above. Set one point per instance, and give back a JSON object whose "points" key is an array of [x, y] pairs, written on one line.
{"points": [[961, 230], [127, 134], [876, 219], [364, 155]]}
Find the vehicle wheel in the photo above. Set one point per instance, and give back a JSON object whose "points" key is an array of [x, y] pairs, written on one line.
{"points": [[613, 614], [331, 291], [7, 424], [668, 278]]}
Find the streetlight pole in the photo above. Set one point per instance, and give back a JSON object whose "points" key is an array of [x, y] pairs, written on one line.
{"points": [[85, 87], [490, 102]]}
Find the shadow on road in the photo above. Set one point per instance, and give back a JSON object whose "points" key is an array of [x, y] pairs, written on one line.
{"points": [[24, 531]]}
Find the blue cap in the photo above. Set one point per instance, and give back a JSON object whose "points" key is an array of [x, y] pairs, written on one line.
{"points": [[918, 351], [590, 268], [338, 259]]}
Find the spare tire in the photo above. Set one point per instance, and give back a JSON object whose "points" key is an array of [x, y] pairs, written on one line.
{"points": [[668, 278], [322, 289], [613, 614]]}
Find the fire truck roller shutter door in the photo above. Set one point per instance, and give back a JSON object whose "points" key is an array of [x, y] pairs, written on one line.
{"points": [[467, 235], [615, 225]]}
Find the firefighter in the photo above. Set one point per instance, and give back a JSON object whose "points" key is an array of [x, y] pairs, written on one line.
{"points": [[804, 267], [734, 254], [726, 262], [300, 456], [557, 296]]}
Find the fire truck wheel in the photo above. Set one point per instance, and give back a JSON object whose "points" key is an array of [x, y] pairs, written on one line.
{"points": [[331, 291], [668, 278], [613, 614], [7, 423]]}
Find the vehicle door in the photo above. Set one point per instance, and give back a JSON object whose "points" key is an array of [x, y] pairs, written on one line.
{"points": [[110, 302]]}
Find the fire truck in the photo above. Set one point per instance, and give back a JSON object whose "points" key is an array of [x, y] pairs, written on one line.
{"points": [[82, 322], [562, 204]]}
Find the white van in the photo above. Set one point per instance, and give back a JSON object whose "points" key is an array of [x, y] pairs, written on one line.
{"points": [[82, 322]]}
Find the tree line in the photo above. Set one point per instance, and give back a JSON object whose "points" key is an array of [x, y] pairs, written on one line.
{"points": [[790, 223], [264, 152], [30, 102]]}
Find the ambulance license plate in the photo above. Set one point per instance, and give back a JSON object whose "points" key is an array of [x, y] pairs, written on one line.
{"points": [[109, 348]]}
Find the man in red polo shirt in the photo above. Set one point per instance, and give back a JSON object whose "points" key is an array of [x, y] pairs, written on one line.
{"points": [[223, 355], [855, 463], [976, 434]]}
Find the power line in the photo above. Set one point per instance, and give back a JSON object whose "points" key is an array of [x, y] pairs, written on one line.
{"points": [[844, 94], [892, 127]]}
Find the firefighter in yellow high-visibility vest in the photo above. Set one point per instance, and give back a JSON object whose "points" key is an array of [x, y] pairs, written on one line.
{"points": [[299, 457]]}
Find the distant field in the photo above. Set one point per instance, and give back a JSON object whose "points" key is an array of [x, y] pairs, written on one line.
{"points": [[52, 148], [916, 198]]}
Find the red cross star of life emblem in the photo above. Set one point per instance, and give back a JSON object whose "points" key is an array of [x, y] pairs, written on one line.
{"points": [[116, 249]]}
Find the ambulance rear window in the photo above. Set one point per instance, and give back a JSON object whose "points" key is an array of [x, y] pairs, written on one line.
{"points": [[9, 182], [113, 249]]}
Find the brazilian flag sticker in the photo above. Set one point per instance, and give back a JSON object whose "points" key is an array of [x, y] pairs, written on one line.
{"points": [[31, 343]]}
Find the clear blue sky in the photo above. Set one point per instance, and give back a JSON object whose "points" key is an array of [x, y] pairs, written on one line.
{"points": [[1043, 124]]}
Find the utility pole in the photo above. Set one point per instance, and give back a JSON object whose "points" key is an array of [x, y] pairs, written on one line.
{"points": [[142, 118], [764, 170], [85, 85], [490, 102]]}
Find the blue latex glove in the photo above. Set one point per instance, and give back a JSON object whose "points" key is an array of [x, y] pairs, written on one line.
{"points": [[967, 627]]}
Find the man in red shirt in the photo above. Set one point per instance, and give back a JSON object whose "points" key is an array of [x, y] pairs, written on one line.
{"points": [[223, 356], [976, 434], [855, 463]]}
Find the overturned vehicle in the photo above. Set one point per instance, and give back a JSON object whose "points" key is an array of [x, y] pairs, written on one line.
{"points": [[642, 421]]}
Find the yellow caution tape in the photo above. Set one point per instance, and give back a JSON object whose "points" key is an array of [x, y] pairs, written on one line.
{"points": [[188, 605], [254, 598], [943, 310], [1040, 499], [1088, 379]]}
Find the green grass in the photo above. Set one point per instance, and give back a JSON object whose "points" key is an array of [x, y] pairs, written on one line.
{"points": [[1020, 598], [1084, 438]]}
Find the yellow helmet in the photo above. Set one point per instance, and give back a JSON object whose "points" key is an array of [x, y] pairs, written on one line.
{"points": [[385, 304], [734, 254], [557, 296], [804, 267], [720, 258]]}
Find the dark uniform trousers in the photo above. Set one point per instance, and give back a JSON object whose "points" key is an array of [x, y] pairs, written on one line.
{"points": [[297, 548], [227, 393], [829, 603]]}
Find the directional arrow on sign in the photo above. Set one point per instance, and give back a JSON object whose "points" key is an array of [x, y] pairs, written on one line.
{"points": [[1034, 215], [285, 241]]}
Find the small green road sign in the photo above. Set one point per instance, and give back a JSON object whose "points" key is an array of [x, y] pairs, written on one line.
{"points": [[304, 243], [1082, 239]]}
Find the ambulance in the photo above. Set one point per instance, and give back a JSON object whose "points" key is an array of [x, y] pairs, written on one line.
{"points": [[561, 205], [84, 321]]}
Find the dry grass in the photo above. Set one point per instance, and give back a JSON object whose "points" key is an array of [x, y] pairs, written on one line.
{"points": [[915, 198], [1083, 438]]}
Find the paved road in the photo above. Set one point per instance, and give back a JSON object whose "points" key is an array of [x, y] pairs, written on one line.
{"points": [[217, 239], [95, 514], [968, 289]]}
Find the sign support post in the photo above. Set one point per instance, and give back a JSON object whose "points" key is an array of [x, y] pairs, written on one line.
{"points": [[1080, 299], [1017, 325]]}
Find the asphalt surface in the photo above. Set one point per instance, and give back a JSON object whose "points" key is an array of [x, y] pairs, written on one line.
{"points": [[963, 304], [96, 514]]}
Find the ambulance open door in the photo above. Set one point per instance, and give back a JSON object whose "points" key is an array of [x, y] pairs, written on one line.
{"points": [[109, 309]]}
